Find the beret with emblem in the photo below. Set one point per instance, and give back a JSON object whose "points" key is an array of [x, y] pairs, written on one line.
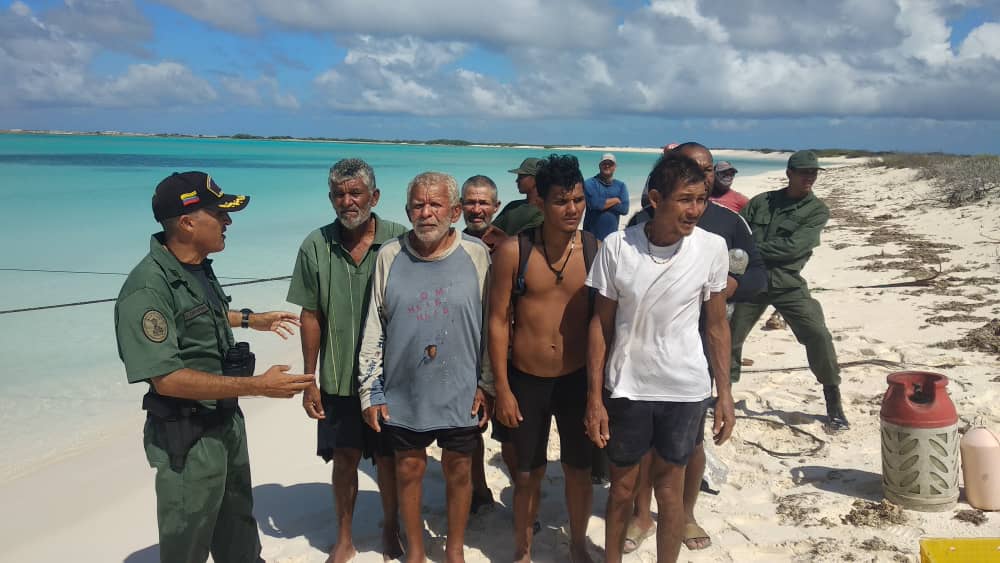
{"points": [[186, 192]]}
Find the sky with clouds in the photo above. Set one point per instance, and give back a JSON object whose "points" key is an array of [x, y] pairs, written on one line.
{"points": [[876, 74]]}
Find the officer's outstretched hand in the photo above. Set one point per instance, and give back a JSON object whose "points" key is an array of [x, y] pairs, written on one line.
{"points": [[281, 323], [725, 418], [276, 382], [373, 414], [312, 402]]}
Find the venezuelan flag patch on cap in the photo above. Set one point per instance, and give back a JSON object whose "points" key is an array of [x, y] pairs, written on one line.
{"points": [[190, 198]]}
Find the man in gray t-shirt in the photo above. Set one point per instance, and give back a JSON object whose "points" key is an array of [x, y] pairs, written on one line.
{"points": [[422, 371]]}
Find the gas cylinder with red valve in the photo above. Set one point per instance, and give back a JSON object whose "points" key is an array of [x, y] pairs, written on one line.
{"points": [[919, 442]]}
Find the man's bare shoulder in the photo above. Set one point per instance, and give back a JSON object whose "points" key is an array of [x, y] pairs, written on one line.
{"points": [[507, 252]]}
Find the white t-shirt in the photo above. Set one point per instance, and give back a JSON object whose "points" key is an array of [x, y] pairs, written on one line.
{"points": [[656, 354]]}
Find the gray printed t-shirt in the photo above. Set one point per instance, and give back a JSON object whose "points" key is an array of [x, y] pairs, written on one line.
{"points": [[422, 351]]}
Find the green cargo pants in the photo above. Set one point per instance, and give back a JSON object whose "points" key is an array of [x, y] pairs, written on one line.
{"points": [[207, 507], [804, 316]]}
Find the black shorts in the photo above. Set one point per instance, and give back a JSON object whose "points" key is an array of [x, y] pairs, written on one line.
{"points": [[500, 433], [344, 427], [538, 399], [459, 440], [672, 428]]}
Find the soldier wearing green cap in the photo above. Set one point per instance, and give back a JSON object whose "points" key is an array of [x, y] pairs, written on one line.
{"points": [[174, 330], [523, 213], [786, 226]]}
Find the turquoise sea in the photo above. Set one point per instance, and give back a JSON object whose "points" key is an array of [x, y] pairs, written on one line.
{"points": [[77, 203]]}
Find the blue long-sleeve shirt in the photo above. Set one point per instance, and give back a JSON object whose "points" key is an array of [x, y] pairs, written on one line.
{"points": [[598, 221]]}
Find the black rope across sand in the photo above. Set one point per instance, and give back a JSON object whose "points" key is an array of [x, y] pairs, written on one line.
{"points": [[820, 443], [888, 364]]}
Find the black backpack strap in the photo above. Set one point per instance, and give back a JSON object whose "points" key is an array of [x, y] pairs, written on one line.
{"points": [[524, 244], [589, 249], [525, 240]]}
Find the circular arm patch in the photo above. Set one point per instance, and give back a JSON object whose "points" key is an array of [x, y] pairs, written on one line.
{"points": [[154, 326]]}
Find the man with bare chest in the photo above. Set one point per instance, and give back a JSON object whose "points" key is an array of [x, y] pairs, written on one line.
{"points": [[545, 373]]}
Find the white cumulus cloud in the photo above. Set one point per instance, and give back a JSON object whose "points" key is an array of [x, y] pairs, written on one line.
{"points": [[154, 85], [983, 41], [513, 22]]}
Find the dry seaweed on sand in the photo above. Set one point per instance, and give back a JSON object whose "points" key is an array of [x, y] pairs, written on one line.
{"points": [[957, 318], [823, 548], [798, 509], [874, 514], [972, 516], [983, 339], [876, 543]]}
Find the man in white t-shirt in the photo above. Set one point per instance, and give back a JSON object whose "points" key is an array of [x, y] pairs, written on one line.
{"points": [[648, 376]]}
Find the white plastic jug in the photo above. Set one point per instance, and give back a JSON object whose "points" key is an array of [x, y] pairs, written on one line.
{"points": [[981, 466]]}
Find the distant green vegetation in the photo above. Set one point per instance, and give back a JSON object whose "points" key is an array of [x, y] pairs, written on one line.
{"points": [[828, 153], [960, 179], [849, 153], [450, 142]]}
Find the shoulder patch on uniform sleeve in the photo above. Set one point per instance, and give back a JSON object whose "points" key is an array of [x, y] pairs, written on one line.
{"points": [[154, 326]]}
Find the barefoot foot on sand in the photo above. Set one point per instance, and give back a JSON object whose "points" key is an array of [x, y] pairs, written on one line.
{"points": [[579, 554], [342, 553], [392, 547]]}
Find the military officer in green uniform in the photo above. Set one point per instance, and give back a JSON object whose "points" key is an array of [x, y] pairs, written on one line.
{"points": [[173, 326], [524, 213], [786, 226]]}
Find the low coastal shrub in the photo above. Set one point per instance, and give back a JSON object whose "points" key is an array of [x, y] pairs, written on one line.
{"points": [[960, 179]]}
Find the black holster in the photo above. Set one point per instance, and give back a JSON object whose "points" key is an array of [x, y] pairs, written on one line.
{"points": [[178, 424]]}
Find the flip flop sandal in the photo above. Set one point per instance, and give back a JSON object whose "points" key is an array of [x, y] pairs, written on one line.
{"points": [[695, 532], [634, 536]]}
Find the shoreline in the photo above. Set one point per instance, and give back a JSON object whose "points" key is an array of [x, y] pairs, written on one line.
{"points": [[725, 153], [771, 508]]}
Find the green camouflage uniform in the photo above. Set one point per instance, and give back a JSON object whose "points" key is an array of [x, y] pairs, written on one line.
{"points": [[786, 231], [518, 216], [165, 322]]}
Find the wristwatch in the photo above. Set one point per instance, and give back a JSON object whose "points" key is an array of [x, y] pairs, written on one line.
{"points": [[245, 321]]}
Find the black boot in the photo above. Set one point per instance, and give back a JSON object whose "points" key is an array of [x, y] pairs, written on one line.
{"points": [[834, 411]]}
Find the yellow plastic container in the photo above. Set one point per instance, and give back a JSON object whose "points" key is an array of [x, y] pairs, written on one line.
{"points": [[960, 550]]}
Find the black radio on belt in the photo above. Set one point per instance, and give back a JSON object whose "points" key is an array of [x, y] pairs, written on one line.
{"points": [[239, 361]]}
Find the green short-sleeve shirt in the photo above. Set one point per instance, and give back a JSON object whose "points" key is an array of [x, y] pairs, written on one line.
{"points": [[327, 280], [518, 216], [165, 322]]}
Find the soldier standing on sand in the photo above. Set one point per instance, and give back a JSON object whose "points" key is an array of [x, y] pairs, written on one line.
{"points": [[174, 330], [786, 226], [523, 213]]}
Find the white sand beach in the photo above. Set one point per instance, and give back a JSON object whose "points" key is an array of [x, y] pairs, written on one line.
{"points": [[98, 504]]}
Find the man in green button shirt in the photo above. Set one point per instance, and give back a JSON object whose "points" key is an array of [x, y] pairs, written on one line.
{"points": [[332, 284], [523, 213], [173, 326], [786, 226]]}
